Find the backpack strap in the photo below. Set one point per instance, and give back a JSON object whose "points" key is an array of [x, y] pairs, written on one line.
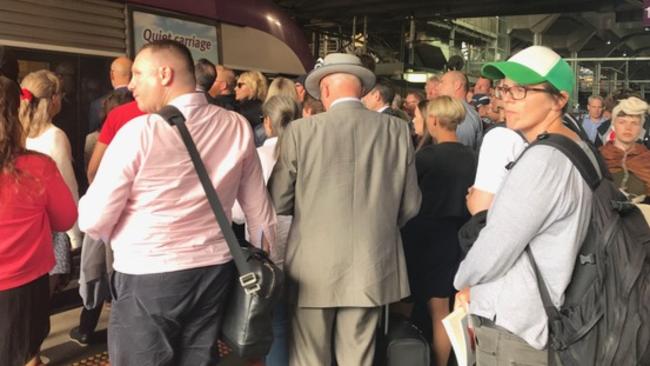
{"points": [[571, 150], [551, 311]]}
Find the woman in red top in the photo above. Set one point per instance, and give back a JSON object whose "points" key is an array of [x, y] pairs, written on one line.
{"points": [[34, 201]]}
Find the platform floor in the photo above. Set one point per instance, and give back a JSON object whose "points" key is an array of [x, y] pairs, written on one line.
{"points": [[61, 351]]}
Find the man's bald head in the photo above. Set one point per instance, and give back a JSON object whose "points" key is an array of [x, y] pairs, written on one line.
{"points": [[162, 71], [121, 71], [175, 55], [225, 82], [339, 85], [454, 84]]}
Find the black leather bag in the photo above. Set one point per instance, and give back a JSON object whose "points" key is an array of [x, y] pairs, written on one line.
{"points": [[247, 326]]}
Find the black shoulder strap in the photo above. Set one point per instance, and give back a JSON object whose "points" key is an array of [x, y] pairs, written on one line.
{"points": [[174, 117], [551, 310], [571, 150]]}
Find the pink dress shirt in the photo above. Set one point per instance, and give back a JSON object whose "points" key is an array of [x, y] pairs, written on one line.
{"points": [[147, 201]]}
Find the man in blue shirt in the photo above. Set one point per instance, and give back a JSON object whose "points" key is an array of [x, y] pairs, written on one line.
{"points": [[595, 118]]}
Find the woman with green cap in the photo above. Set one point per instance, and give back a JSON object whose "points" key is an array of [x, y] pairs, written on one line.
{"points": [[543, 202]]}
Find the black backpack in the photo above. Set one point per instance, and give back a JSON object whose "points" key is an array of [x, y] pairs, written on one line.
{"points": [[605, 318]]}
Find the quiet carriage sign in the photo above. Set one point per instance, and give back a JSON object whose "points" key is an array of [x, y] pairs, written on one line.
{"points": [[201, 39]]}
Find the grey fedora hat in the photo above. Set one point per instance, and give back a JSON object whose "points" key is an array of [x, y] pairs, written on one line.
{"points": [[339, 63]]}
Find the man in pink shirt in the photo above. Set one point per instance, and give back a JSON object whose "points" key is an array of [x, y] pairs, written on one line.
{"points": [[172, 265]]}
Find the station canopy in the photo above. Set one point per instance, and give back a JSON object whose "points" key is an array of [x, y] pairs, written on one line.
{"points": [[574, 28]]}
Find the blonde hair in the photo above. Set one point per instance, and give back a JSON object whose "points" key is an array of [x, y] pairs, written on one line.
{"points": [[633, 107], [36, 114], [256, 82], [449, 111], [282, 86]]}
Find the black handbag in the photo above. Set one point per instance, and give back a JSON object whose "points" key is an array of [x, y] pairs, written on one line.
{"points": [[247, 325]]}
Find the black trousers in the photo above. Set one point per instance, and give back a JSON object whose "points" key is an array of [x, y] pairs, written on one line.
{"points": [[89, 318], [171, 318], [24, 321]]}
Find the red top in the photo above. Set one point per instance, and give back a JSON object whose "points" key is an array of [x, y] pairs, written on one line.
{"points": [[117, 118], [32, 205]]}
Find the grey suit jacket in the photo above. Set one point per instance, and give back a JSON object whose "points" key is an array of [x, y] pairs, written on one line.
{"points": [[348, 178]]}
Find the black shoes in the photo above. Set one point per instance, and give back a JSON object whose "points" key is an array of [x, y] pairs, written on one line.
{"points": [[81, 339]]}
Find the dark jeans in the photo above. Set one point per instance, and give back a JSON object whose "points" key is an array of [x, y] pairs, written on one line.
{"points": [[279, 353], [171, 318]]}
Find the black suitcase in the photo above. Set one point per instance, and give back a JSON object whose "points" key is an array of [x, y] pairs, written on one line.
{"points": [[400, 343]]}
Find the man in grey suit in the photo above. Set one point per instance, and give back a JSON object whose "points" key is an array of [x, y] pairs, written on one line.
{"points": [[348, 178]]}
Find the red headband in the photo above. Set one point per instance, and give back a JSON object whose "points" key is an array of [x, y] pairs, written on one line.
{"points": [[25, 94]]}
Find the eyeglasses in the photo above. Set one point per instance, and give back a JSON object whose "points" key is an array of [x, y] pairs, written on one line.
{"points": [[239, 85], [517, 92]]}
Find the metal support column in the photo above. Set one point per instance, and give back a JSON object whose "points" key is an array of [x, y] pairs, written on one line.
{"points": [[402, 46], [573, 101], [627, 74], [595, 90], [315, 44], [365, 34], [537, 38], [452, 38], [411, 40], [354, 33]]}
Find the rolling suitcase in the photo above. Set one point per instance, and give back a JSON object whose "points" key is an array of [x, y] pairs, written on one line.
{"points": [[400, 343]]}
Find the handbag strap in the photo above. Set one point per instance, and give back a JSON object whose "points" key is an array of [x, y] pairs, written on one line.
{"points": [[247, 278]]}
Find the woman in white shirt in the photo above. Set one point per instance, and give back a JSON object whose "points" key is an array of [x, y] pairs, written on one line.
{"points": [[278, 112], [41, 97]]}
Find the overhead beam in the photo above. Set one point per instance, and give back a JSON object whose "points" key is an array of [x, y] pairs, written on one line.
{"points": [[458, 8]]}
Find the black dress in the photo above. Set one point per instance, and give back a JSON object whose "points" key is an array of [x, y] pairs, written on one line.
{"points": [[445, 172]]}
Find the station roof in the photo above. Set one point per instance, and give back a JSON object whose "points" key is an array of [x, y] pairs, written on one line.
{"points": [[592, 28], [341, 11]]}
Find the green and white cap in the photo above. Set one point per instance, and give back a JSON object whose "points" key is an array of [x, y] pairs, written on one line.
{"points": [[533, 65]]}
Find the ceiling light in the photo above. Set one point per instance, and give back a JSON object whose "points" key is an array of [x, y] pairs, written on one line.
{"points": [[624, 54], [416, 77], [608, 42]]}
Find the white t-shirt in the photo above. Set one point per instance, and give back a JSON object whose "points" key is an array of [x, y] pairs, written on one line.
{"points": [[54, 143], [500, 146]]}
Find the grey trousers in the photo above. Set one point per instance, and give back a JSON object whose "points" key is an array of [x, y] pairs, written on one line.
{"points": [[496, 346], [168, 319], [348, 334]]}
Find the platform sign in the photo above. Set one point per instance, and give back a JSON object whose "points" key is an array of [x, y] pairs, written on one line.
{"points": [[646, 13], [200, 38]]}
